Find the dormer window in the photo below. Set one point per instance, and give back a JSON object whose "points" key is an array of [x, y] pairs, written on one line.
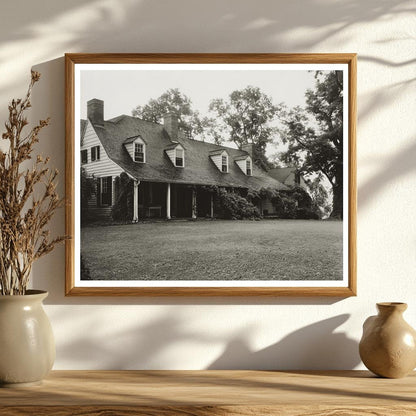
{"points": [[248, 167], [179, 159], [224, 163], [220, 159], [176, 154], [139, 152], [136, 147], [245, 164]]}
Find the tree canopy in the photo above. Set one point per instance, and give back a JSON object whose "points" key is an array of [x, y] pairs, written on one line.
{"points": [[171, 101], [315, 134], [245, 118]]}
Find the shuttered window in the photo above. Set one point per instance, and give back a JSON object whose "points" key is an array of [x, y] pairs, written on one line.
{"points": [[84, 156], [95, 153]]}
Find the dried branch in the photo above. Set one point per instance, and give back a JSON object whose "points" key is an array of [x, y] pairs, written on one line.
{"points": [[24, 217]]}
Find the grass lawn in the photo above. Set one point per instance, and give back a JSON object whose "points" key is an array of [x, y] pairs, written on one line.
{"points": [[215, 250]]}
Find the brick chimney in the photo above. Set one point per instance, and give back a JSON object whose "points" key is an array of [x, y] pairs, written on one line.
{"points": [[170, 122], [95, 111], [249, 148]]}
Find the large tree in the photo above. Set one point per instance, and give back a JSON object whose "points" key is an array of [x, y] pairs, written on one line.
{"points": [[171, 101], [314, 134], [245, 118], [319, 195]]}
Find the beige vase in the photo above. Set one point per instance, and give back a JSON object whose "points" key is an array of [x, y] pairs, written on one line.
{"points": [[388, 345], [27, 346]]}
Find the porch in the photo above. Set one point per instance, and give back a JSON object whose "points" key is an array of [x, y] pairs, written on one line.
{"points": [[166, 200]]}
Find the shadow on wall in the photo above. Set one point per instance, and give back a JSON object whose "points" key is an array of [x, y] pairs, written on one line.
{"points": [[303, 349], [88, 23], [42, 33], [402, 163], [145, 343], [142, 346], [316, 346]]}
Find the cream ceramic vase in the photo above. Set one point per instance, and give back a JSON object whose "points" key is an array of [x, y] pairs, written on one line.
{"points": [[388, 345], [27, 346]]}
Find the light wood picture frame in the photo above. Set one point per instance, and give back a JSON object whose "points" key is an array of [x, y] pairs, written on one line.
{"points": [[146, 196]]}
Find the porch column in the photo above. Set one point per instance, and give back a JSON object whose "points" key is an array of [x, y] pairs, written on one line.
{"points": [[174, 199], [168, 201], [113, 191], [193, 204], [136, 201], [212, 204]]}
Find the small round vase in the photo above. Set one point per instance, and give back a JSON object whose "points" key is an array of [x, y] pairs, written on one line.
{"points": [[388, 345], [27, 346]]}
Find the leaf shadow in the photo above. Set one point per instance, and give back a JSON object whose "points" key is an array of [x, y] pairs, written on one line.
{"points": [[315, 346], [402, 163]]}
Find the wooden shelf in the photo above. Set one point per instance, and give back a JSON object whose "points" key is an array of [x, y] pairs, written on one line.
{"points": [[211, 393]]}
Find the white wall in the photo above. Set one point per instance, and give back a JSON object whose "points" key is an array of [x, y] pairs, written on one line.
{"points": [[196, 333]]}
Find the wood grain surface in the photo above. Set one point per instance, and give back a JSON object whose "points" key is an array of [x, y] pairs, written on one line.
{"points": [[203, 393]]}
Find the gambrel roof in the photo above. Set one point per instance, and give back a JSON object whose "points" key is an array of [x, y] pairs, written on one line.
{"points": [[199, 170]]}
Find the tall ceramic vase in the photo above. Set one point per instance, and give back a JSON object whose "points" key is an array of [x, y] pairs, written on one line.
{"points": [[27, 346], [388, 345]]}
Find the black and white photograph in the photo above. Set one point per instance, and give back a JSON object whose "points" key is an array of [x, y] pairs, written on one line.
{"points": [[221, 175]]}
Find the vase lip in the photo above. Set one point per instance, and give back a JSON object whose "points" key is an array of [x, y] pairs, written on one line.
{"points": [[30, 293], [398, 306]]}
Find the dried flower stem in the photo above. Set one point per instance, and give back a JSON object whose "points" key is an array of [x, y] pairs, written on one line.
{"points": [[23, 217]]}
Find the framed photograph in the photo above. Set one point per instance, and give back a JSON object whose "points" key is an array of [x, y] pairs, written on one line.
{"points": [[211, 174]]}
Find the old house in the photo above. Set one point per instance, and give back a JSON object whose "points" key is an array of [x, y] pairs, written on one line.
{"points": [[171, 172]]}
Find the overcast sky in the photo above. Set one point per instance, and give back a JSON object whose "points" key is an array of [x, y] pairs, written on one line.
{"points": [[123, 90]]}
